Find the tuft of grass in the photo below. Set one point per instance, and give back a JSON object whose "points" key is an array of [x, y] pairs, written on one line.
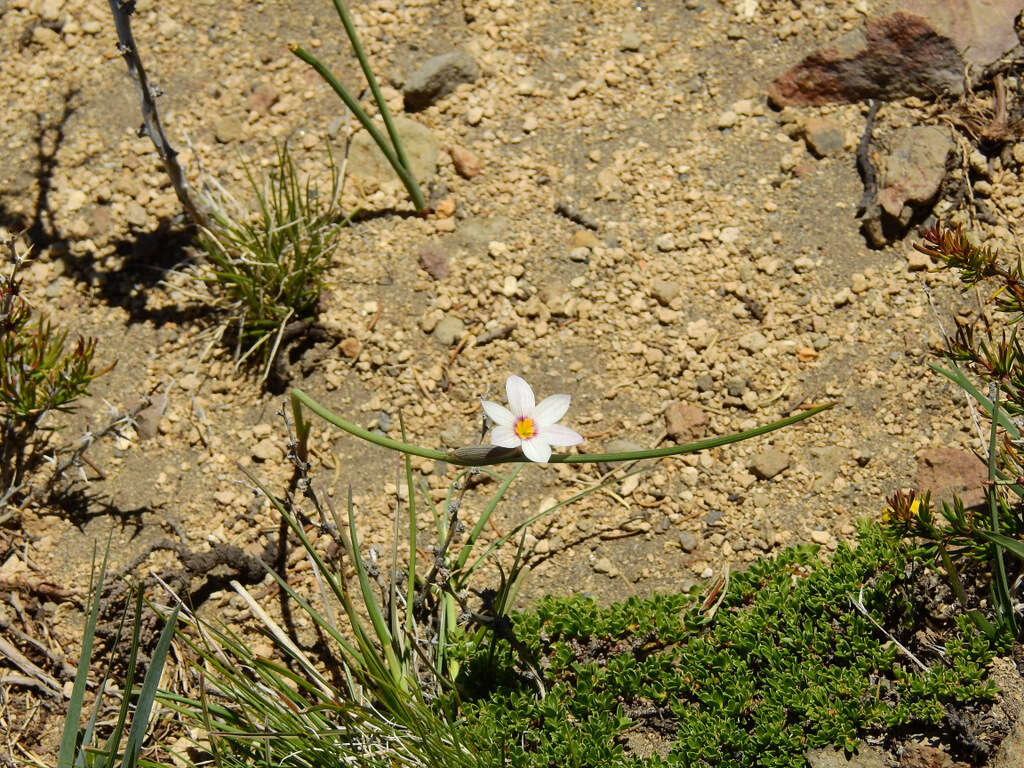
{"points": [[267, 266], [786, 665], [255, 711], [84, 746]]}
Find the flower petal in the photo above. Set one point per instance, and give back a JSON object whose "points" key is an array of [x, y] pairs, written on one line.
{"points": [[499, 414], [503, 436], [537, 449], [551, 410], [558, 434], [520, 397]]}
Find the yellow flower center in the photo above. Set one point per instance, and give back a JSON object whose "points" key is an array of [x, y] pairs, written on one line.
{"points": [[524, 429]]}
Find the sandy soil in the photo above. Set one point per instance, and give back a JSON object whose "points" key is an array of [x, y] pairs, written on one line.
{"points": [[725, 270]]}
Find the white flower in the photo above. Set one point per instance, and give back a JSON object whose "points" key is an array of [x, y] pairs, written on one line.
{"points": [[525, 424]]}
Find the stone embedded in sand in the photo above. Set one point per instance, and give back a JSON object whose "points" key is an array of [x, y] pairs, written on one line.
{"points": [[262, 97], [449, 330], [350, 347], [753, 342], [421, 147], [228, 129], [824, 136], [664, 291], [769, 463], [685, 422], [267, 449], [666, 242], [434, 260], [466, 164], [584, 238], [946, 472], [913, 170], [437, 77], [687, 541]]}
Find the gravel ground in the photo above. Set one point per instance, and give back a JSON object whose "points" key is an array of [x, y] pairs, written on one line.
{"points": [[718, 265]]}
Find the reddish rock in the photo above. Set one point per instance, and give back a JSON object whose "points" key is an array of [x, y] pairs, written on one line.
{"points": [[893, 56], [946, 472], [921, 49], [467, 165], [685, 423], [434, 261]]}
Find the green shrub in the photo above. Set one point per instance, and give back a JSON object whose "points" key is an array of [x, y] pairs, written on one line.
{"points": [[977, 540], [787, 665], [39, 374]]}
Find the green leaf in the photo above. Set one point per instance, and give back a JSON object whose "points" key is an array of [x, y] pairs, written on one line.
{"points": [[147, 694], [1015, 546], [957, 377], [69, 738]]}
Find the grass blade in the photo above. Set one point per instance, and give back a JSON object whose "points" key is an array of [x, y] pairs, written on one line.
{"points": [[69, 738], [957, 376], [474, 456], [144, 705]]}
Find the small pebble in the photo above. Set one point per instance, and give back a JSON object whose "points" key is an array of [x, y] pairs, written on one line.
{"points": [[769, 463], [449, 330]]}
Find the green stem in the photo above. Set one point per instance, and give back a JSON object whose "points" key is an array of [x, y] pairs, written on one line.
{"points": [[476, 456], [478, 529], [410, 577], [955, 583], [403, 172], [382, 105], [1002, 585]]}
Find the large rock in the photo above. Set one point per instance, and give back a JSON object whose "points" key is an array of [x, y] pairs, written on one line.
{"points": [[866, 756], [1011, 751], [982, 30], [913, 170], [421, 147], [946, 472], [910, 175], [918, 50], [437, 77]]}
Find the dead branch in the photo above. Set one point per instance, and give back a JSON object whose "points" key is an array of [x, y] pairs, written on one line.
{"points": [[150, 117]]}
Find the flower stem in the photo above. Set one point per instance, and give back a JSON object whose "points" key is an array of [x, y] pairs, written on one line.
{"points": [[484, 455], [403, 171], [371, 80]]}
